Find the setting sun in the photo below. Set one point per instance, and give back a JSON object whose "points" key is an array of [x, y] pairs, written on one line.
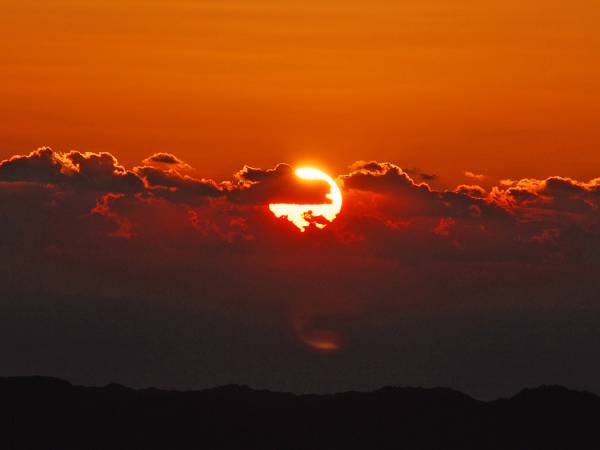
{"points": [[303, 215]]}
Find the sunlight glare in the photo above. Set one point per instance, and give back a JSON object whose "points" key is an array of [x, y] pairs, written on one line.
{"points": [[298, 214]]}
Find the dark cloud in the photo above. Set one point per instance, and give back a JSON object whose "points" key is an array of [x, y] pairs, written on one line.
{"points": [[384, 208], [101, 171], [278, 185], [150, 257], [175, 186], [415, 172], [103, 208], [166, 159], [390, 181], [428, 176], [372, 170], [562, 195], [471, 190], [41, 165], [98, 171], [398, 196]]}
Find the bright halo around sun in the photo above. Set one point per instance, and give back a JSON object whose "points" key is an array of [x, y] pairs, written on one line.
{"points": [[298, 214]]}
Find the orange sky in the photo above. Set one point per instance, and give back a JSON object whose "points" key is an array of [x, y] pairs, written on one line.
{"points": [[504, 88]]}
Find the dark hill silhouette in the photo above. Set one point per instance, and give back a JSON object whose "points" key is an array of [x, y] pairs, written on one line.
{"points": [[48, 413]]}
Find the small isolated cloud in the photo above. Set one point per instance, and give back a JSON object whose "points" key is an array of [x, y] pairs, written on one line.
{"points": [[415, 173], [168, 159], [474, 176]]}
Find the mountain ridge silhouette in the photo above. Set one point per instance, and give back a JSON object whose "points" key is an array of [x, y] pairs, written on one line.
{"points": [[46, 412]]}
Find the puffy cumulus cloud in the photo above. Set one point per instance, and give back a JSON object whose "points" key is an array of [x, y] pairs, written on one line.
{"points": [[102, 173], [98, 171], [386, 212], [370, 175], [471, 190], [176, 186], [396, 191], [76, 223], [555, 198], [278, 185], [395, 195], [42, 165]]}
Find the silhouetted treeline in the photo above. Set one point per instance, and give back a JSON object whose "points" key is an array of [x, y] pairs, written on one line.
{"points": [[48, 413]]}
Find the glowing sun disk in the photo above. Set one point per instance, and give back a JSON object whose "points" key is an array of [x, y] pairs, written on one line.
{"points": [[298, 214]]}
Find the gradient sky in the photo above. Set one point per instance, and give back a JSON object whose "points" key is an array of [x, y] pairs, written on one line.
{"points": [[505, 88], [139, 246]]}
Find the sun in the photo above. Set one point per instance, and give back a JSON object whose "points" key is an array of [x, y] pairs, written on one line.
{"points": [[300, 215]]}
